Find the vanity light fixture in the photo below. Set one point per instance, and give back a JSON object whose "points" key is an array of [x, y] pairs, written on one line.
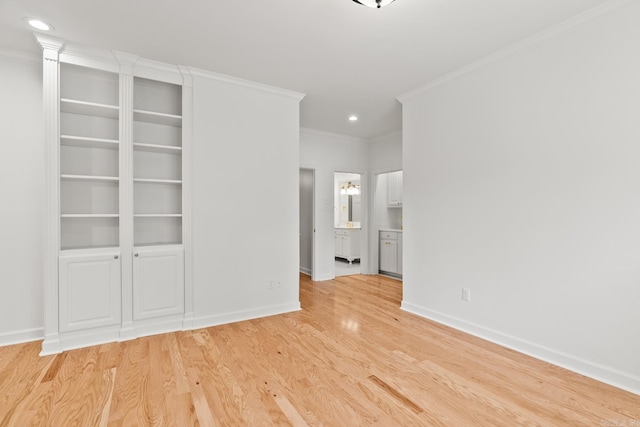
{"points": [[350, 189], [39, 25], [374, 3]]}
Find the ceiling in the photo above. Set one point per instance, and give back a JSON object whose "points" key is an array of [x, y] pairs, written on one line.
{"points": [[347, 58]]}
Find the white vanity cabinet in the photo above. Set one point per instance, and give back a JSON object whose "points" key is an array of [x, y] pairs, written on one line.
{"points": [[394, 189], [347, 243], [117, 131], [390, 252]]}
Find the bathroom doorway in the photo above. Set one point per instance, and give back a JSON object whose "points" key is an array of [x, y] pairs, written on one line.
{"points": [[348, 218]]}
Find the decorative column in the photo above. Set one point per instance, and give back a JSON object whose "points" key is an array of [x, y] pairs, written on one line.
{"points": [[126, 61], [51, 99], [187, 123]]}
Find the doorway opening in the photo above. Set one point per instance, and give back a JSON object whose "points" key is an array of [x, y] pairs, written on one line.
{"points": [[307, 227], [387, 224], [348, 218]]}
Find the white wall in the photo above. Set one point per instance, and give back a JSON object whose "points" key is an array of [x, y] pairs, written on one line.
{"points": [[245, 201], [522, 184], [21, 174], [385, 153], [328, 153]]}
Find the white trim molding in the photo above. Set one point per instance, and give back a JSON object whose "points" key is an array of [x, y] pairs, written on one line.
{"points": [[196, 72], [240, 316], [622, 380], [523, 45], [332, 135], [20, 337]]}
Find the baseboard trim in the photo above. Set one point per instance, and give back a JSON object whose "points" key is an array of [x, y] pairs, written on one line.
{"points": [[306, 271], [622, 380], [239, 316], [162, 325], [20, 337], [57, 343]]}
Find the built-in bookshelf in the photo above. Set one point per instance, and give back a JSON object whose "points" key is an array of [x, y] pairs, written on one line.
{"points": [[157, 163], [89, 158], [116, 139]]}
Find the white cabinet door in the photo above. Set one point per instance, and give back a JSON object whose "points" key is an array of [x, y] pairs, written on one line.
{"points": [[158, 282], [89, 290], [389, 256], [394, 189], [399, 183], [389, 251], [338, 243], [346, 245], [400, 253]]}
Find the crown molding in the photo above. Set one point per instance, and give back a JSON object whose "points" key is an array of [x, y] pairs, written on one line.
{"points": [[196, 72], [49, 42], [387, 135], [126, 61], [113, 60], [156, 70], [186, 76], [332, 135], [83, 55], [525, 44]]}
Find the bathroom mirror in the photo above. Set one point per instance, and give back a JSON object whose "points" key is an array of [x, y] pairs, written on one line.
{"points": [[348, 200]]}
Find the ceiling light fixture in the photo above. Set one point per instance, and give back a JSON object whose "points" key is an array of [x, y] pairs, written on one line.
{"points": [[39, 25], [374, 3], [350, 189], [353, 118]]}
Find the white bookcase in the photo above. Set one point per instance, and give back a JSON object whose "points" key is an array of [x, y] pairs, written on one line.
{"points": [[157, 163], [89, 158], [117, 134]]}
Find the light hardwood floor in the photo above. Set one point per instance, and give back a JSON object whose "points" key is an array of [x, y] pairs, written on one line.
{"points": [[350, 357]]}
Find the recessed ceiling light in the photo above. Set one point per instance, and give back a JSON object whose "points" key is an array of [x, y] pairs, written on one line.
{"points": [[353, 118], [39, 25]]}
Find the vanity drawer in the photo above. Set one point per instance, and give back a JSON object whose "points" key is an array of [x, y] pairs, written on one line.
{"points": [[389, 235]]}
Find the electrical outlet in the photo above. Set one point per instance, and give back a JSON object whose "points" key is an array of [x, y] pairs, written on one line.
{"points": [[275, 284], [466, 294]]}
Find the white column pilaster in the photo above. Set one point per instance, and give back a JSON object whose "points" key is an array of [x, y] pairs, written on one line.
{"points": [[51, 104], [126, 61], [187, 119]]}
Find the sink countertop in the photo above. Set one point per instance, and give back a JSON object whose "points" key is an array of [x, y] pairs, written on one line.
{"points": [[391, 229], [346, 228]]}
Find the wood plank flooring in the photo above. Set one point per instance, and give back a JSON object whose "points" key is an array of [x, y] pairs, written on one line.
{"points": [[351, 357]]}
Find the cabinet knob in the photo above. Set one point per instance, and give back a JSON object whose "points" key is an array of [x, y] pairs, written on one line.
{"points": [[136, 255], [115, 257]]}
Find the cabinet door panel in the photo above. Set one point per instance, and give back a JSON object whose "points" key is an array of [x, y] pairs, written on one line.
{"points": [[89, 291], [337, 240], [389, 256], [346, 245], [394, 189], [400, 261], [158, 283]]}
